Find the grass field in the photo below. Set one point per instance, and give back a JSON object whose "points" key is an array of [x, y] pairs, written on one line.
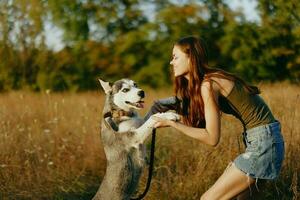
{"points": [[50, 148]]}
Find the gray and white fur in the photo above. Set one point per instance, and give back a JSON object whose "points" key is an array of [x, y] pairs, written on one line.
{"points": [[123, 134]]}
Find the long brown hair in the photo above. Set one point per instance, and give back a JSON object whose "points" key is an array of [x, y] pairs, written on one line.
{"points": [[189, 91]]}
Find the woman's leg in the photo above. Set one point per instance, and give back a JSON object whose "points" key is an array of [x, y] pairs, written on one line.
{"points": [[231, 183], [249, 193], [252, 191]]}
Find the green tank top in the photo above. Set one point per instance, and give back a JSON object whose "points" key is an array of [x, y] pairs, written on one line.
{"points": [[250, 109]]}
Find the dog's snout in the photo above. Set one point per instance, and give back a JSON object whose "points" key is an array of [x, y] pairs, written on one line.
{"points": [[141, 93]]}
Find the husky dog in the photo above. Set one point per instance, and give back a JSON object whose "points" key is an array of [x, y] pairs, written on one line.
{"points": [[123, 134]]}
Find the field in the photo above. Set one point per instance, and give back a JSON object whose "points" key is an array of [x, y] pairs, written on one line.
{"points": [[50, 148]]}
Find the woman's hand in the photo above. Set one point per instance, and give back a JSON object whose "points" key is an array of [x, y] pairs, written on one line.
{"points": [[162, 122]]}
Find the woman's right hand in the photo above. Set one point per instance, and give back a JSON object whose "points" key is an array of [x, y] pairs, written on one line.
{"points": [[163, 105]]}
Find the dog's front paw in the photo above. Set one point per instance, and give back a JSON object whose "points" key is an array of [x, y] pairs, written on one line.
{"points": [[168, 115]]}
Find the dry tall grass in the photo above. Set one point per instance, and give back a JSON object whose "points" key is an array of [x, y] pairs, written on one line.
{"points": [[50, 148]]}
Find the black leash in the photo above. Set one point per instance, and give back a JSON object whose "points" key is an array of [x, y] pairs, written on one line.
{"points": [[151, 164]]}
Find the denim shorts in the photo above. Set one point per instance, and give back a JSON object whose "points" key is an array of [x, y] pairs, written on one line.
{"points": [[264, 152]]}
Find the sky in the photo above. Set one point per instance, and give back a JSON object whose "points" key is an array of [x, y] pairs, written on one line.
{"points": [[54, 34], [247, 6]]}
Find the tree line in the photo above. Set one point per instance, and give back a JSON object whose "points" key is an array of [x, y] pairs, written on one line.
{"points": [[134, 38]]}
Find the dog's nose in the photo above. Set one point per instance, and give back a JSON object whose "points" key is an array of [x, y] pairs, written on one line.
{"points": [[141, 93]]}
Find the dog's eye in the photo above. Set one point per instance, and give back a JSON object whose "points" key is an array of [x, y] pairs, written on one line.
{"points": [[125, 90], [135, 85]]}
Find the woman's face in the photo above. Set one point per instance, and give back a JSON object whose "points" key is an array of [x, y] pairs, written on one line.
{"points": [[180, 62]]}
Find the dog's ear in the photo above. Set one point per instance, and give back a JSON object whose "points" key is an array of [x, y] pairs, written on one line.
{"points": [[106, 86]]}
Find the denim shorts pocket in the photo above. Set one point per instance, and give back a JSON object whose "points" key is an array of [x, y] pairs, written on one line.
{"points": [[264, 145], [251, 144]]}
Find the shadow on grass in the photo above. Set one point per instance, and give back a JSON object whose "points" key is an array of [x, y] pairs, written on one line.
{"points": [[87, 194]]}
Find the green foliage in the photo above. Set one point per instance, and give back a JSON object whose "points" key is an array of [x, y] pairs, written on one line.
{"points": [[72, 17], [152, 75], [278, 37], [134, 38]]}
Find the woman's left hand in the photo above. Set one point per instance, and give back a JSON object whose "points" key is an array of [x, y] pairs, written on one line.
{"points": [[162, 122]]}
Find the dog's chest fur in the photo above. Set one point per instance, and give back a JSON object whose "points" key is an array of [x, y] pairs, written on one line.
{"points": [[122, 121], [122, 137], [130, 124]]}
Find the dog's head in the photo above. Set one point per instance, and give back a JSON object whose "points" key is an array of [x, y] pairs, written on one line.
{"points": [[124, 93]]}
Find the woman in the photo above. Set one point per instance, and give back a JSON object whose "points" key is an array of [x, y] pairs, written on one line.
{"points": [[202, 93]]}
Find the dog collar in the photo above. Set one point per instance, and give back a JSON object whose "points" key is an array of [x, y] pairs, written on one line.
{"points": [[115, 114]]}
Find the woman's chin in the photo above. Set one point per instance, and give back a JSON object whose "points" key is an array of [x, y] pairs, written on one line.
{"points": [[179, 75]]}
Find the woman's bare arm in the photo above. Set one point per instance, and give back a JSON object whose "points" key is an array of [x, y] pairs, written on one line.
{"points": [[209, 135]]}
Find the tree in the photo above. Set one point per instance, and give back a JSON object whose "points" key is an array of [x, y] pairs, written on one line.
{"points": [[279, 23]]}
